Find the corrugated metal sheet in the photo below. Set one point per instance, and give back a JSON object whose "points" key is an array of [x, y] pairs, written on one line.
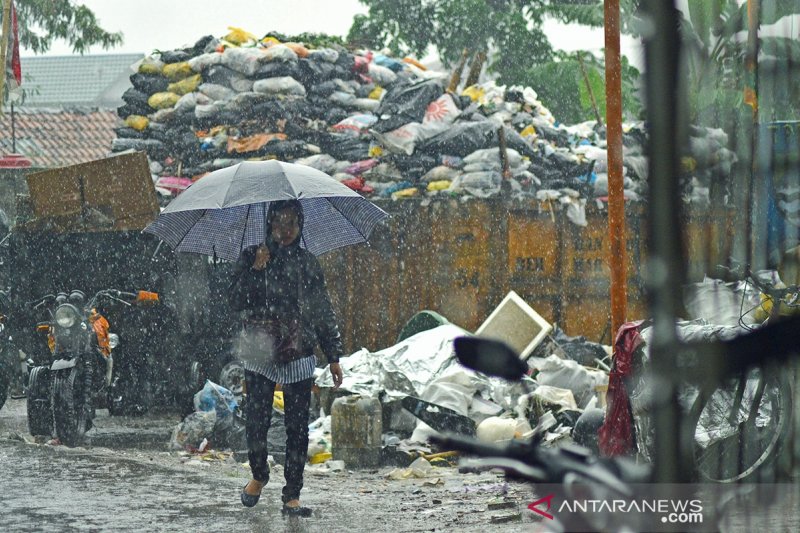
{"points": [[75, 80], [460, 260]]}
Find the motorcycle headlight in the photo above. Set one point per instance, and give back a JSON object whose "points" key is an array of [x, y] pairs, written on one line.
{"points": [[66, 316], [113, 340]]}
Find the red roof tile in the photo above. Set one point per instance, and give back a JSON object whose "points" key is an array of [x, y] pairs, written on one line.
{"points": [[59, 137]]}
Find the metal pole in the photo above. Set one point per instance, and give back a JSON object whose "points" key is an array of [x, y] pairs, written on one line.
{"points": [[616, 198], [13, 131], [673, 448], [756, 197]]}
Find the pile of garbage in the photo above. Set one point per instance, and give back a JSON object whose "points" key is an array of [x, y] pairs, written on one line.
{"points": [[383, 126], [424, 389]]}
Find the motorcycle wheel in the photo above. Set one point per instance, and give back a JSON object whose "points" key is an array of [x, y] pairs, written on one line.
{"points": [[40, 414], [71, 407], [232, 377]]}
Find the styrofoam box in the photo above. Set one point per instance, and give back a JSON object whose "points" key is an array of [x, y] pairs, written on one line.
{"points": [[517, 324]]}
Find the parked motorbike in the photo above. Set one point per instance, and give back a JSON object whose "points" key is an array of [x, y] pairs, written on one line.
{"points": [[77, 373], [572, 469]]}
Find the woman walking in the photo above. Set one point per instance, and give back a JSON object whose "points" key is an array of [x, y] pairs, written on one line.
{"points": [[280, 288]]}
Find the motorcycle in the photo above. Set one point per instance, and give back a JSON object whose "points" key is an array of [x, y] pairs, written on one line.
{"points": [[573, 470], [78, 371]]}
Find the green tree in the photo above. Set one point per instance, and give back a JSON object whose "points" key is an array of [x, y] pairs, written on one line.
{"points": [[510, 31], [716, 55], [41, 22]]}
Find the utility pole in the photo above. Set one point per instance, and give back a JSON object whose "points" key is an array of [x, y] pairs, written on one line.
{"points": [[616, 192]]}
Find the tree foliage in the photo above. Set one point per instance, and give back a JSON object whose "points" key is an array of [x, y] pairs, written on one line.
{"points": [[41, 22], [510, 31], [716, 50]]}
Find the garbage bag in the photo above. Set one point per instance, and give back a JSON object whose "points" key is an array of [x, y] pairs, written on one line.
{"points": [[490, 157], [279, 52], [204, 44], [241, 85], [186, 85], [324, 89], [277, 69], [238, 36], [229, 433], [137, 122], [202, 62], [163, 100], [489, 179], [149, 83], [568, 374], [166, 116], [129, 133], [381, 75], [215, 397], [365, 104], [297, 48], [177, 71], [134, 97], [387, 62], [283, 85], [244, 60], [355, 123], [344, 147], [154, 148], [221, 75], [151, 65], [310, 73], [191, 431], [406, 103], [401, 140], [329, 55], [186, 103], [216, 92], [463, 138], [322, 162], [209, 111], [175, 56]]}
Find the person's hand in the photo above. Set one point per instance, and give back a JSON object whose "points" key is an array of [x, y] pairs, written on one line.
{"points": [[262, 258], [338, 376]]}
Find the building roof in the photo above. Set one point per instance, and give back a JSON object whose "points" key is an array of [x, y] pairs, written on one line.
{"points": [[89, 80], [59, 137]]}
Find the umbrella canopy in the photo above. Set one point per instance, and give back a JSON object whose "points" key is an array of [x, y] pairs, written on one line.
{"points": [[225, 212]]}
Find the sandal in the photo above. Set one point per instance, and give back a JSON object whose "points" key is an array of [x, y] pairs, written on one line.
{"points": [[249, 500], [300, 511]]}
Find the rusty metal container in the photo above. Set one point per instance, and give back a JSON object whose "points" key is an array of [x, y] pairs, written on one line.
{"points": [[356, 430]]}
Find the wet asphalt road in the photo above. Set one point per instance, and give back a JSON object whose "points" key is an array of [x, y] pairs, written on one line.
{"points": [[141, 488]]}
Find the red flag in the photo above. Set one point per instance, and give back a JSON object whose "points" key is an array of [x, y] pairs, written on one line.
{"points": [[16, 66]]}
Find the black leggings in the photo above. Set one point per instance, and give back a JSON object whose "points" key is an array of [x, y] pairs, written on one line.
{"points": [[296, 399]]}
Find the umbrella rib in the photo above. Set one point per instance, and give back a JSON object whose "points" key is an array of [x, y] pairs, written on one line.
{"points": [[343, 216], [205, 211], [244, 232]]}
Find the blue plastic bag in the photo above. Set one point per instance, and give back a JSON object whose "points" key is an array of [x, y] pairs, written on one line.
{"points": [[215, 397]]}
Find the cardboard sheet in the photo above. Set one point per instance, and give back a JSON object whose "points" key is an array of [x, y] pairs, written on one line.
{"points": [[112, 194]]}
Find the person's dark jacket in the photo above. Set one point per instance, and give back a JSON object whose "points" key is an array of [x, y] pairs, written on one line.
{"points": [[292, 285]]}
